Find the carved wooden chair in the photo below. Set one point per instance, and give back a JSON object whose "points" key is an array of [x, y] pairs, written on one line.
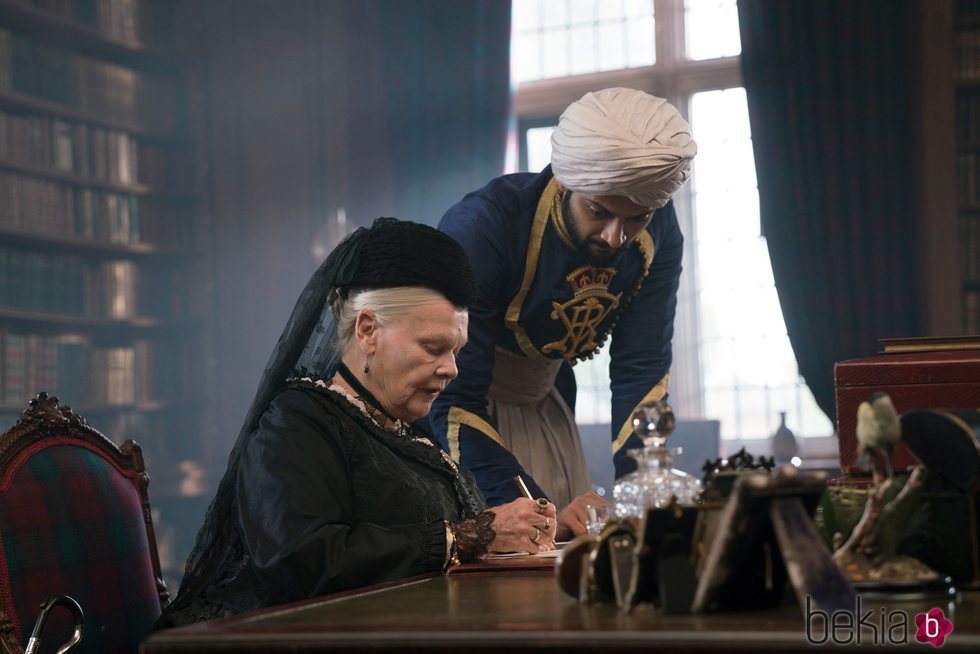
{"points": [[75, 520], [8, 639]]}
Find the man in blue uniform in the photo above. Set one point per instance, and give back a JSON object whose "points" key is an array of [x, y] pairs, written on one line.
{"points": [[587, 250]]}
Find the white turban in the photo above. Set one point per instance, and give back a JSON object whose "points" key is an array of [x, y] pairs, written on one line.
{"points": [[623, 142]]}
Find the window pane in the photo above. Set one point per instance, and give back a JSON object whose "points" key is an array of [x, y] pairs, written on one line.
{"points": [[610, 10], [583, 50], [538, 140], [711, 29], [525, 60], [640, 45], [527, 15], [746, 355], [637, 8], [610, 39], [575, 37], [554, 13], [554, 46], [593, 401], [581, 12]]}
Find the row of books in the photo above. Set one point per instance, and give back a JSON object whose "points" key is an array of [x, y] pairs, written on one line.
{"points": [[52, 73], [81, 373], [48, 142], [967, 55], [46, 207], [968, 119], [36, 282], [968, 178], [970, 246], [93, 152], [70, 285], [116, 19]]}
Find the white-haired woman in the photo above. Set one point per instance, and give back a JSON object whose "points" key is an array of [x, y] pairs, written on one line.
{"points": [[330, 486]]}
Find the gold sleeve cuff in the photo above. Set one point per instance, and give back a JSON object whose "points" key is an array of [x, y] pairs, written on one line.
{"points": [[452, 552]]}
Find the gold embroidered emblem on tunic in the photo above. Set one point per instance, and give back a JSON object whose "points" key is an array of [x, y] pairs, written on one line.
{"points": [[584, 312]]}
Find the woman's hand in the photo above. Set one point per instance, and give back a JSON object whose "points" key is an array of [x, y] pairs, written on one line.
{"points": [[524, 526], [574, 517]]}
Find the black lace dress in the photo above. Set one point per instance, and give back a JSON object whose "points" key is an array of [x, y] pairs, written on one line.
{"points": [[329, 501]]}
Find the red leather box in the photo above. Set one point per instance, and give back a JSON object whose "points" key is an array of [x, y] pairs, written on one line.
{"points": [[918, 380]]}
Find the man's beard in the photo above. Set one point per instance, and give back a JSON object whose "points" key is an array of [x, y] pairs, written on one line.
{"points": [[605, 256]]}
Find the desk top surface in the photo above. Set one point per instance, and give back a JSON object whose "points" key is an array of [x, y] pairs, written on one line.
{"points": [[525, 610]]}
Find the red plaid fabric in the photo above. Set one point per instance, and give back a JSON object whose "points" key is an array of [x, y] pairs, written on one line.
{"points": [[71, 523]]}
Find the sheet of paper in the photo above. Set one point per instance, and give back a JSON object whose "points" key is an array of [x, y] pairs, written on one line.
{"points": [[541, 555], [514, 555]]}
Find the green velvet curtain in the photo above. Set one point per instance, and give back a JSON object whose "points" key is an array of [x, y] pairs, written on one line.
{"points": [[829, 86]]}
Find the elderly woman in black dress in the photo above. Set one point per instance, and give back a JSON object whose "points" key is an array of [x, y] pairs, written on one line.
{"points": [[330, 485]]}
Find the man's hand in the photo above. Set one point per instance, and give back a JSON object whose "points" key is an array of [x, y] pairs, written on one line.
{"points": [[573, 518]]}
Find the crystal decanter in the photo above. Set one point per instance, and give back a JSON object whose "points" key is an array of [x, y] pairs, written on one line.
{"points": [[654, 482]]}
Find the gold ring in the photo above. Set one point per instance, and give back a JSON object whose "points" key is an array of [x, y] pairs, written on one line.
{"points": [[547, 524], [536, 537]]}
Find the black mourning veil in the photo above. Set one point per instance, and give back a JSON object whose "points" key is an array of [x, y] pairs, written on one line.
{"points": [[391, 253]]}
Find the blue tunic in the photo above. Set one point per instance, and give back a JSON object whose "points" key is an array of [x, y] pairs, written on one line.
{"points": [[538, 296]]}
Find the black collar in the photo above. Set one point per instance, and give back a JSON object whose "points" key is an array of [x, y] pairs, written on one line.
{"points": [[361, 391]]}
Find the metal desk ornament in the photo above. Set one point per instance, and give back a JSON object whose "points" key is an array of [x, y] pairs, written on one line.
{"points": [[766, 537], [668, 547]]}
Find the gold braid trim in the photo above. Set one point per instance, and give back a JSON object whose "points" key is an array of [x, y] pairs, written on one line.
{"points": [[655, 395], [530, 268], [459, 416], [558, 222], [451, 546]]}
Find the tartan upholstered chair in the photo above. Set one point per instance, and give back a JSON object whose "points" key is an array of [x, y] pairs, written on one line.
{"points": [[75, 520]]}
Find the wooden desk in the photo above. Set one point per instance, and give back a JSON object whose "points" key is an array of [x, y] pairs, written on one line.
{"points": [[522, 611]]}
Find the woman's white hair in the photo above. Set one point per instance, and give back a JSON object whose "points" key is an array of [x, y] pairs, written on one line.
{"points": [[387, 305]]}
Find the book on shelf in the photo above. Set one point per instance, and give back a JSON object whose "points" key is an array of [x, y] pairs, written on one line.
{"points": [[929, 344], [971, 312], [970, 245], [114, 19], [32, 281], [63, 157], [968, 193], [967, 53]]}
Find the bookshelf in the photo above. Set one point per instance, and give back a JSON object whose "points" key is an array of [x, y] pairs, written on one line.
{"points": [[103, 239], [966, 28]]}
